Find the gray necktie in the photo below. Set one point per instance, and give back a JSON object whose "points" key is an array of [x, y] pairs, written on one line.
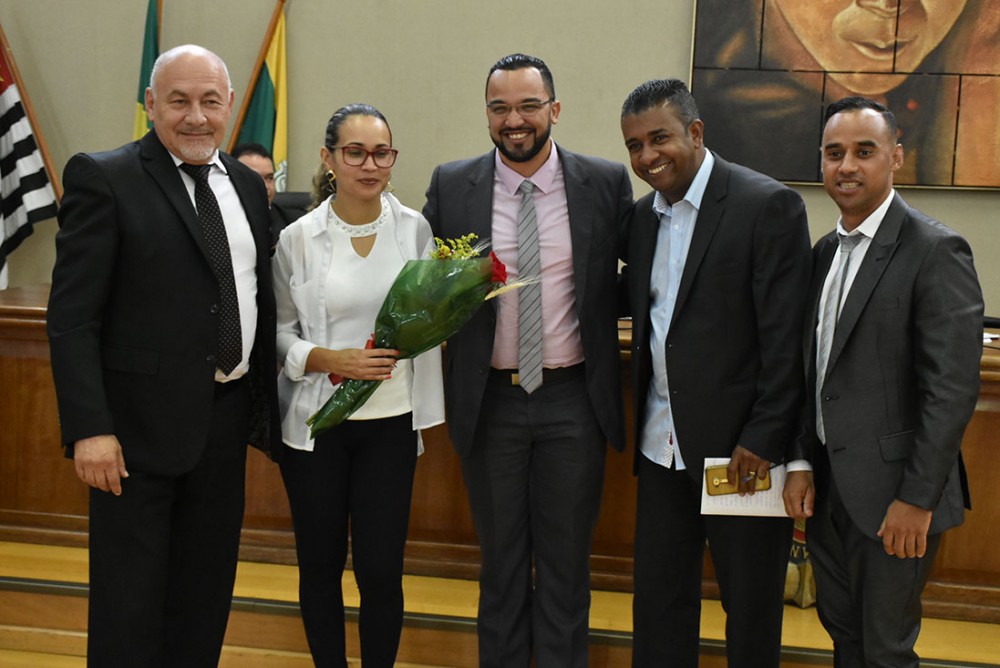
{"points": [[229, 350], [831, 313], [529, 313]]}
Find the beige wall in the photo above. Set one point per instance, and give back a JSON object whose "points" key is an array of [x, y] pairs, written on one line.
{"points": [[422, 62]]}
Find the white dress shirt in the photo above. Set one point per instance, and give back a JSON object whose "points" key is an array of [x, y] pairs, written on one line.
{"points": [[673, 240], [867, 229], [243, 250]]}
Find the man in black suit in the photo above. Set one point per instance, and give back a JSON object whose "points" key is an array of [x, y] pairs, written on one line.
{"points": [[892, 346], [286, 207], [161, 323], [532, 427], [718, 264]]}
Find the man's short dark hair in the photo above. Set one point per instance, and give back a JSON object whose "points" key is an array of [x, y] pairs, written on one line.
{"points": [[856, 103], [251, 148], [656, 92], [519, 61]]}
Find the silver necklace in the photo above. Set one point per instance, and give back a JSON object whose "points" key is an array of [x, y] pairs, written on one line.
{"points": [[365, 230]]}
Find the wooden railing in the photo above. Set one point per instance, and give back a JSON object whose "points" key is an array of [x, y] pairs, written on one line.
{"points": [[41, 499]]}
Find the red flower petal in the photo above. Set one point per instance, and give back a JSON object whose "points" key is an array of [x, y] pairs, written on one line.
{"points": [[499, 269]]}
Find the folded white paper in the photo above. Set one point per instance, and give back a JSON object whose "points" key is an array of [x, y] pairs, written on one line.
{"points": [[764, 504]]}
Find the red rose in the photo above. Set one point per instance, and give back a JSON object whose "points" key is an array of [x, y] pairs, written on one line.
{"points": [[499, 269]]}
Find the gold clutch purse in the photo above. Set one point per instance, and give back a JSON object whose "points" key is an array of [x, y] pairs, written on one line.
{"points": [[716, 482]]}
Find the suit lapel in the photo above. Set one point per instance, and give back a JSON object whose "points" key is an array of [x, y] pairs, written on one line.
{"points": [[157, 162], [642, 249], [259, 219], [579, 203], [478, 199], [707, 222], [876, 260]]}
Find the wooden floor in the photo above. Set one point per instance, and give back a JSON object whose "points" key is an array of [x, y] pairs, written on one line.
{"points": [[453, 602]]}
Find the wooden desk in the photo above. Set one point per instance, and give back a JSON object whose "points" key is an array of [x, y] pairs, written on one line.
{"points": [[41, 499]]}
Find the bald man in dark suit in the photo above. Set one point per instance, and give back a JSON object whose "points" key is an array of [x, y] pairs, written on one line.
{"points": [[161, 324]]}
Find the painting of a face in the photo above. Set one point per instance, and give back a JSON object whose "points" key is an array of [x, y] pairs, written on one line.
{"points": [[852, 39], [769, 68]]}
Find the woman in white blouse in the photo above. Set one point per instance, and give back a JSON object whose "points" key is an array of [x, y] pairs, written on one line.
{"points": [[332, 269]]}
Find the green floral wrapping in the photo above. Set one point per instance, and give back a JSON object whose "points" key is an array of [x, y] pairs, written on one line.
{"points": [[428, 302]]}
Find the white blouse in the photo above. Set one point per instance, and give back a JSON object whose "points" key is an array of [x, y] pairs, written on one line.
{"points": [[328, 296]]}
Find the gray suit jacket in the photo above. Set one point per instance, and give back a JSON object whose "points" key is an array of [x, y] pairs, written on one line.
{"points": [[598, 192], [903, 375]]}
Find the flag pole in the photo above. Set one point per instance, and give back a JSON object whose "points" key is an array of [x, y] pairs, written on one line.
{"points": [[30, 113], [272, 26]]}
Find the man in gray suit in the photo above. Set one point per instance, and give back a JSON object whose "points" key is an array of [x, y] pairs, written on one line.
{"points": [[530, 414], [893, 381]]}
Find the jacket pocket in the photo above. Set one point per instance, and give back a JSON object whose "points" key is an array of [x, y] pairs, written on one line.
{"points": [[897, 446]]}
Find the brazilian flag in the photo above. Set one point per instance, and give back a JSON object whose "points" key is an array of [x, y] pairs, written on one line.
{"points": [[150, 50]]}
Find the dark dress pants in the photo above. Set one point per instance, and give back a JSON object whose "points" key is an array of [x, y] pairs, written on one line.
{"points": [[868, 601], [359, 477], [750, 558], [534, 479], [163, 554]]}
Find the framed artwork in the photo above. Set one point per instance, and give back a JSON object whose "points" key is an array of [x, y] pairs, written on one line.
{"points": [[764, 71]]}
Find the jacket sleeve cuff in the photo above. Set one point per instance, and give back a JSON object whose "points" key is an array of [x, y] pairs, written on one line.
{"points": [[295, 360]]}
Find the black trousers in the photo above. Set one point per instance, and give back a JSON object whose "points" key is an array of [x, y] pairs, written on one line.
{"points": [[163, 554], [750, 557], [358, 478]]}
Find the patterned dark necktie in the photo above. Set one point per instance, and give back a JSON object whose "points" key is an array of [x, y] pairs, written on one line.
{"points": [[229, 351]]}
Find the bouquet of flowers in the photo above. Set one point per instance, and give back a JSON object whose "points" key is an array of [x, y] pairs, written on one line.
{"points": [[428, 302]]}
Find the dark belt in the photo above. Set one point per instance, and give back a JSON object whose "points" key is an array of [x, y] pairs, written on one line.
{"points": [[510, 376]]}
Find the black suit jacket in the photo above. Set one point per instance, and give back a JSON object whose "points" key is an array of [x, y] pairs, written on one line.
{"points": [[732, 349], [132, 319], [598, 194], [286, 208], [903, 374]]}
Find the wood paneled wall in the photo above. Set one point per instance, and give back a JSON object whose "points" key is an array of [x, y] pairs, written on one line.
{"points": [[41, 499]]}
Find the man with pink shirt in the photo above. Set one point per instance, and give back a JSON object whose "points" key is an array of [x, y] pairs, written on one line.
{"points": [[532, 382]]}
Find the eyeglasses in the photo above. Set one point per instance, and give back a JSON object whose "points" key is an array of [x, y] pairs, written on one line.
{"points": [[355, 156], [524, 110]]}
